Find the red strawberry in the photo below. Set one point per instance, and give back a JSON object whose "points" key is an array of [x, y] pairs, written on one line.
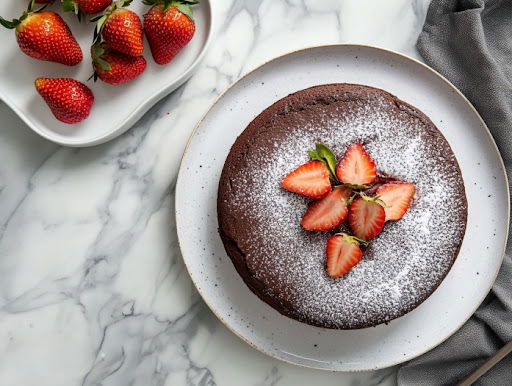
{"points": [[343, 253], [89, 7], [169, 27], [69, 100], [44, 35], [113, 67], [328, 212], [366, 217], [356, 167], [121, 29], [310, 180], [397, 196]]}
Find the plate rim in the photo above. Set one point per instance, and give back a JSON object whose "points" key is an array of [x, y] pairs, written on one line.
{"points": [[341, 45], [136, 114]]}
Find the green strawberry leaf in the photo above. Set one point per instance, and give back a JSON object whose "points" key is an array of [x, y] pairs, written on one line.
{"points": [[9, 24], [104, 64], [314, 156], [80, 16], [95, 36], [41, 8], [97, 50], [325, 155], [99, 26], [30, 6], [68, 6], [186, 9], [167, 4], [96, 18]]}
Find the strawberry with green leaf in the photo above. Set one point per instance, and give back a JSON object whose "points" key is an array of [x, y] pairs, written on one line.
{"points": [[44, 35], [120, 29], [113, 67], [169, 26]]}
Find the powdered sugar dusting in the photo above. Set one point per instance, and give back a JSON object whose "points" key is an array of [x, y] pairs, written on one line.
{"points": [[402, 266]]}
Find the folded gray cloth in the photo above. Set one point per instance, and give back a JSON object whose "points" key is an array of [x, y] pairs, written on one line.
{"points": [[470, 43]]}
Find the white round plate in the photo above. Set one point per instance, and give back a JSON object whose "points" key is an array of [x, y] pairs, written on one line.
{"points": [[116, 108], [404, 338]]}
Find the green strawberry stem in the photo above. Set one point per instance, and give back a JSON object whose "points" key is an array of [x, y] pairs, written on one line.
{"points": [[353, 239], [356, 187], [375, 199]]}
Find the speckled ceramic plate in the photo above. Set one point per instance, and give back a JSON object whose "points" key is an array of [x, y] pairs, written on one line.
{"points": [[116, 108], [404, 338]]}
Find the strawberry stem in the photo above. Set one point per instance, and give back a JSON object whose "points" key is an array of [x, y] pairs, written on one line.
{"points": [[362, 242], [375, 199], [352, 198], [353, 239], [356, 187]]}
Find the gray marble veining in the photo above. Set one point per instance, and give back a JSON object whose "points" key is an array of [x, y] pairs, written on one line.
{"points": [[93, 290]]}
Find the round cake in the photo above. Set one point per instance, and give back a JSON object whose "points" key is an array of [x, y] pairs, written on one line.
{"points": [[284, 264]]}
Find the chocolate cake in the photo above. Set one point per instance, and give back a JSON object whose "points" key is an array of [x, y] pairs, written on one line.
{"points": [[283, 264]]}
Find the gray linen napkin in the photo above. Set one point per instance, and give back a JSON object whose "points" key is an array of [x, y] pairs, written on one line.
{"points": [[470, 43]]}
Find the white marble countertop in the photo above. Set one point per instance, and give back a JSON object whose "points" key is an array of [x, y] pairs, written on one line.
{"points": [[93, 290]]}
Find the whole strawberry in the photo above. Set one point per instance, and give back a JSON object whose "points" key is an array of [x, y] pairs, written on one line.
{"points": [[120, 29], [44, 35], [113, 67], [69, 100], [169, 27], [81, 7]]}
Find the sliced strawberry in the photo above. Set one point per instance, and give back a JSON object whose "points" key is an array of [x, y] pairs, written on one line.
{"points": [[328, 212], [310, 180], [397, 196], [342, 253], [356, 167], [366, 217]]}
